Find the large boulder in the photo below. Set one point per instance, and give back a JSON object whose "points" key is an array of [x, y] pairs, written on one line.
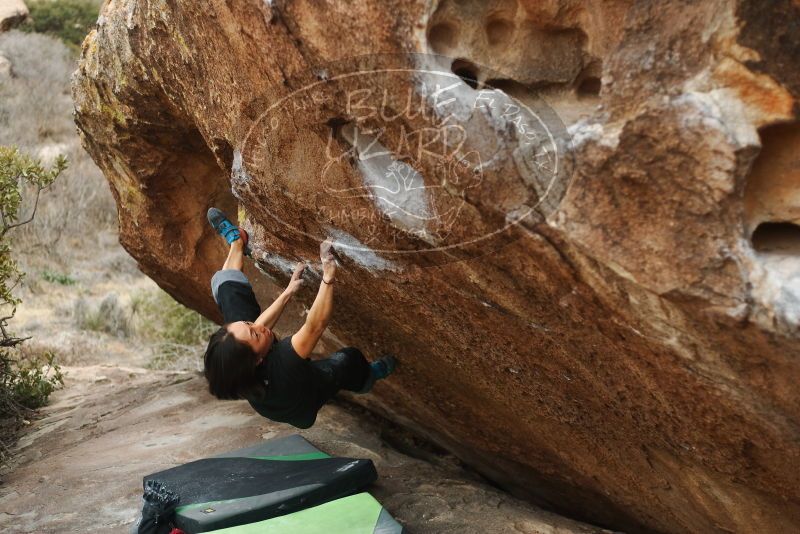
{"points": [[12, 13], [576, 221]]}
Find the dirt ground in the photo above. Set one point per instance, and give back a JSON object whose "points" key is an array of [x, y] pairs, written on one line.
{"points": [[80, 466]]}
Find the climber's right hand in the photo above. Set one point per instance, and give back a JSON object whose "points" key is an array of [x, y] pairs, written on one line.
{"points": [[327, 255]]}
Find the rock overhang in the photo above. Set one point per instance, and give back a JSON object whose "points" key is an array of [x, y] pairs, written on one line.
{"points": [[625, 353]]}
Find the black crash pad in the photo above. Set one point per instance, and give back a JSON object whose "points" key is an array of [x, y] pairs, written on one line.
{"points": [[271, 479]]}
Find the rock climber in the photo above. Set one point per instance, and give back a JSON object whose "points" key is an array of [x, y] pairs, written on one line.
{"points": [[245, 360]]}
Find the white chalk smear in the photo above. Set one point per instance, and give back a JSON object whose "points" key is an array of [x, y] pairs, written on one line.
{"points": [[395, 187], [357, 251], [279, 262]]}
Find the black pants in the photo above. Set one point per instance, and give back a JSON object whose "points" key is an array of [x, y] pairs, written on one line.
{"points": [[347, 369]]}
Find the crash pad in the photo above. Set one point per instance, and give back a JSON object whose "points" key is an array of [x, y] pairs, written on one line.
{"points": [[356, 514], [269, 479]]}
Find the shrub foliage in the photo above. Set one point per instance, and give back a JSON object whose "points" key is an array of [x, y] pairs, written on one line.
{"points": [[69, 20], [25, 381]]}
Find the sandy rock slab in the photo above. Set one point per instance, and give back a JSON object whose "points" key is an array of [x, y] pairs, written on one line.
{"points": [[79, 468]]}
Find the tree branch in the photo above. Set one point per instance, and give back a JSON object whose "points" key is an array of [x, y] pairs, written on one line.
{"points": [[6, 228], [13, 341]]}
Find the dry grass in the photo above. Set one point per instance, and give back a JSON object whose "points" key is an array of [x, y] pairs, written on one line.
{"points": [[174, 335], [110, 316], [75, 268], [36, 115], [83, 298], [177, 335]]}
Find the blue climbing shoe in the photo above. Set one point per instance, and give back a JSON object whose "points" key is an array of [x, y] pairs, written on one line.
{"points": [[383, 367], [226, 228], [378, 370]]}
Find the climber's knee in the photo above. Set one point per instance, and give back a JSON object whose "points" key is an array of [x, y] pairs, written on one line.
{"points": [[349, 353]]}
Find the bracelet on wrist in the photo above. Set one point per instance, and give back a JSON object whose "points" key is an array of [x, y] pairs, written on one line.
{"points": [[332, 280]]}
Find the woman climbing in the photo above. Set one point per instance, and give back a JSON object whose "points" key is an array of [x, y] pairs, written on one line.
{"points": [[244, 360]]}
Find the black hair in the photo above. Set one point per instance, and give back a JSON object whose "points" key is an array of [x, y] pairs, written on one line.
{"points": [[229, 366]]}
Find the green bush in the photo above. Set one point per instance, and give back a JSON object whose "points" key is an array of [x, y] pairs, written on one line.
{"points": [[110, 316], [162, 319], [177, 333], [17, 171], [174, 333], [69, 20], [30, 381], [25, 382], [58, 278]]}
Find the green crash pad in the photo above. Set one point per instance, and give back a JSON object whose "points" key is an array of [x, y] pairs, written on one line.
{"points": [[267, 480], [357, 514]]}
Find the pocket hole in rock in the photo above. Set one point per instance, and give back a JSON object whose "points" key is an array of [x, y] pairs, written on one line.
{"points": [[336, 124], [772, 191], [776, 237], [499, 31], [467, 71], [442, 37], [589, 86]]}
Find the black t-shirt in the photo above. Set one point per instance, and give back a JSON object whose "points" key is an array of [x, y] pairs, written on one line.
{"points": [[294, 389]]}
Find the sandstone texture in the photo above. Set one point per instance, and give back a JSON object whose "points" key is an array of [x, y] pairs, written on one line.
{"points": [[12, 13], [576, 222]]}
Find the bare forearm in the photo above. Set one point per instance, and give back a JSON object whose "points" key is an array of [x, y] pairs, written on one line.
{"points": [[321, 310], [307, 337], [271, 315]]}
